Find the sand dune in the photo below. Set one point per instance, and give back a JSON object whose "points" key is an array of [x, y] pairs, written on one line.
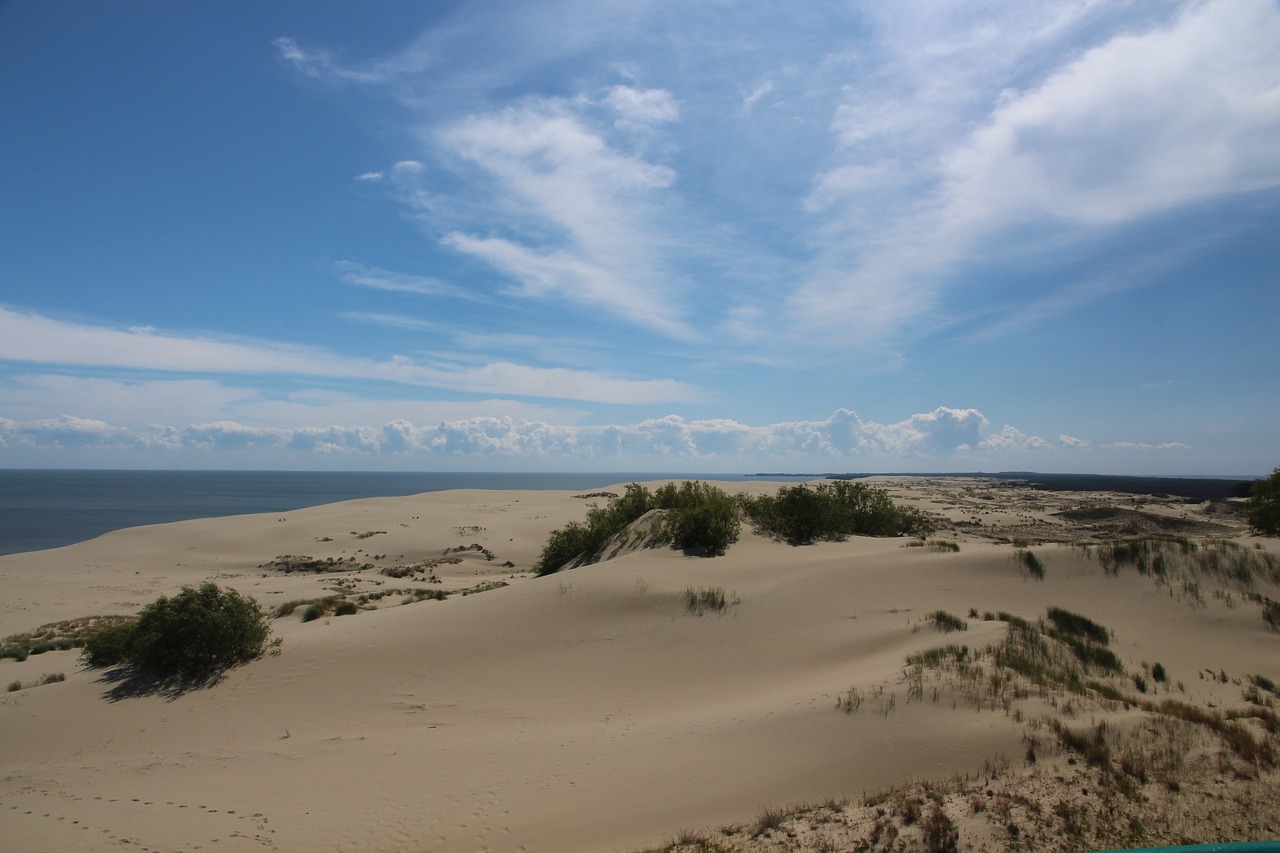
{"points": [[582, 711]]}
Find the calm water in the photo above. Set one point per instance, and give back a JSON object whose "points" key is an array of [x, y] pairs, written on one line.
{"points": [[49, 509]]}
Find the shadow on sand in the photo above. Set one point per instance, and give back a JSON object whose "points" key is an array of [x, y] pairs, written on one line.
{"points": [[130, 682]]}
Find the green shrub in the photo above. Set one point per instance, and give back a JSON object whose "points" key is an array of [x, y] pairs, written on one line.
{"points": [[14, 686], [346, 608], [111, 645], [1263, 507], [801, 514], [313, 612], [700, 519], [193, 635]]}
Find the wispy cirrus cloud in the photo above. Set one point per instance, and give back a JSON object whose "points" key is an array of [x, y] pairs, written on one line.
{"points": [[398, 282], [584, 209], [888, 167], [33, 338]]}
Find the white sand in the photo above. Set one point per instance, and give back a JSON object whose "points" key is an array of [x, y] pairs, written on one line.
{"points": [[582, 711]]}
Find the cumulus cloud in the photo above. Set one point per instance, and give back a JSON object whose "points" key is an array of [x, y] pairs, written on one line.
{"points": [[1011, 438], [942, 433], [1142, 445]]}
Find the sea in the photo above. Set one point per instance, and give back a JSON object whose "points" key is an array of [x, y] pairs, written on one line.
{"points": [[42, 509]]}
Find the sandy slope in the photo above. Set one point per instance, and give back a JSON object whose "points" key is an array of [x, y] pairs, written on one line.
{"points": [[583, 711]]}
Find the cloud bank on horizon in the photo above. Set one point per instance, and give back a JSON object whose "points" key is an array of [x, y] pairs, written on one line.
{"points": [[644, 236]]}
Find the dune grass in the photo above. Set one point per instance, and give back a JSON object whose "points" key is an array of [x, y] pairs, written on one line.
{"points": [[708, 600]]}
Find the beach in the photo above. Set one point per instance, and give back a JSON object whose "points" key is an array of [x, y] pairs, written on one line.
{"points": [[469, 705]]}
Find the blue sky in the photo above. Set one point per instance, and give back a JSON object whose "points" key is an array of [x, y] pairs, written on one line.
{"points": [[641, 236]]}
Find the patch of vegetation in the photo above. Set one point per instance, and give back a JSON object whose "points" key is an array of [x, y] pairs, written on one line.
{"points": [[802, 514], [289, 563], [346, 608], [193, 635], [1263, 683], [459, 549], [1073, 624], [55, 636], [1263, 506], [708, 600], [367, 534], [946, 622], [932, 658], [421, 567], [1238, 738], [1030, 563], [698, 518]]}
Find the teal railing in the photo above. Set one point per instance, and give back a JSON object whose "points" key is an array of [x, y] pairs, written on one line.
{"points": [[1243, 847]]}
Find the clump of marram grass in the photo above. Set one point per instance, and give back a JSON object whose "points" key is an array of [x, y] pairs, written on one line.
{"points": [[48, 678], [708, 600], [56, 636], [1075, 625], [945, 622], [931, 658], [1030, 564]]}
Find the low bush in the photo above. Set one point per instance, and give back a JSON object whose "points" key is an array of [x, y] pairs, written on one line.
{"points": [[193, 635], [802, 514], [110, 646], [698, 518], [1263, 507]]}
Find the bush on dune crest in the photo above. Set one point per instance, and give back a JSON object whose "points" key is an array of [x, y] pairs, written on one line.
{"points": [[698, 518], [803, 514]]}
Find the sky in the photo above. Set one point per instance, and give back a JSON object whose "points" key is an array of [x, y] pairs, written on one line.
{"points": [[641, 236]]}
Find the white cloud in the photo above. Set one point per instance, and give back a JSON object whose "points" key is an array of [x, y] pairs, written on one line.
{"points": [[753, 98], [588, 206], [1011, 438], [372, 177], [941, 155], [1072, 441], [938, 435], [1142, 445], [643, 106], [1139, 125], [33, 338], [381, 279]]}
